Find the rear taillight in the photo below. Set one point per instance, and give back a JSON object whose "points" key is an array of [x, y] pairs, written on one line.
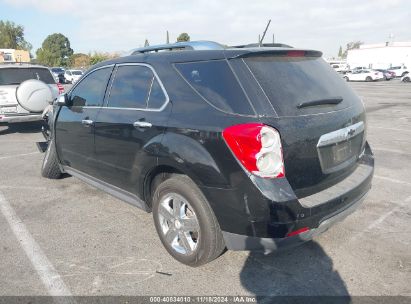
{"points": [[60, 88], [257, 147]]}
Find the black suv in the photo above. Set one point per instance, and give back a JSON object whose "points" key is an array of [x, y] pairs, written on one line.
{"points": [[245, 148]]}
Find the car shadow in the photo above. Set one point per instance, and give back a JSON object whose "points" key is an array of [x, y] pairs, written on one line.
{"points": [[305, 272], [26, 127]]}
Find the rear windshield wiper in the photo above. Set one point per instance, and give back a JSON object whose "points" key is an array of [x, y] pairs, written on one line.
{"points": [[319, 102]]}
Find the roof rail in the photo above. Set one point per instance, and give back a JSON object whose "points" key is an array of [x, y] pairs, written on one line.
{"points": [[189, 45]]}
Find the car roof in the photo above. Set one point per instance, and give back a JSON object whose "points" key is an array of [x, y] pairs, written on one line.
{"points": [[178, 53], [22, 65]]}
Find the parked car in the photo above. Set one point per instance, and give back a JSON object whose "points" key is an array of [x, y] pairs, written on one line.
{"points": [[388, 75], [406, 77], [399, 71], [363, 75], [25, 91], [239, 148], [73, 75], [358, 68], [340, 67], [58, 74]]}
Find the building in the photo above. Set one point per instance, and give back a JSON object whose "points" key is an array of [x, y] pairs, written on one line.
{"points": [[381, 55], [11, 55]]}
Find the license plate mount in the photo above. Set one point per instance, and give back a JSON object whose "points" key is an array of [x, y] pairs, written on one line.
{"points": [[9, 109], [342, 151]]}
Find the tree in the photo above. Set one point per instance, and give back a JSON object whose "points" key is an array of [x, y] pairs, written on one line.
{"points": [[146, 43], [12, 36], [340, 52], [183, 37], [98, 57], [55, 50], [351, 46], [79, 60]]}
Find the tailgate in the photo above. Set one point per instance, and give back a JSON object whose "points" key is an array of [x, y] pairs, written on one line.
{"points": [[320, 150], [320, 118]]}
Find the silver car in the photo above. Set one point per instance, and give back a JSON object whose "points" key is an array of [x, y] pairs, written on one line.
{"points": [[25, 91]]}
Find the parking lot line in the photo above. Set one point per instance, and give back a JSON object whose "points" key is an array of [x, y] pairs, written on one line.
{"points": [[390, 129], [18, 155], [381, 219], [376, 148], [393, 180], [23, 187], [46, 271]]}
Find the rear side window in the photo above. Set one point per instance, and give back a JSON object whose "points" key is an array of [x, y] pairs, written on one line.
{"points": [[10, 76], [90, 91], [216, 83], [136, 86], [289, 81], [157, 97]]}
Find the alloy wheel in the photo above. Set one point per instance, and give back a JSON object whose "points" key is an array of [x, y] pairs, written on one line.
{"points": [[179, 223]]}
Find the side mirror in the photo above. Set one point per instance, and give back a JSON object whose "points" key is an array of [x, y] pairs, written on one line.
{"points": [[62, 100]]}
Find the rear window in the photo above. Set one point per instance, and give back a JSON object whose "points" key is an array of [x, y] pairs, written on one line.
{"points": [[290, 81], [216, 83], [10, 76], [57, 70]]}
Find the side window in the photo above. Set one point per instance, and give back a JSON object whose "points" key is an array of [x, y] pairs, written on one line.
{"points": [[90, 91], [216, 83], [131, 87], [157, 98]]}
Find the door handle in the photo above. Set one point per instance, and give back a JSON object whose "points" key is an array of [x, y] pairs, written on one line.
{"points": [[142, 124], [87, 122]]}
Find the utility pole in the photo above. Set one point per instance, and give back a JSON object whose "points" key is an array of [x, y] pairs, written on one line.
{"points": [[168, 39]]}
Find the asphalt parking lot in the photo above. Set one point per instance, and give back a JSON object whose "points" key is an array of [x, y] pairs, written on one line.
{"points": [[64, 237]]}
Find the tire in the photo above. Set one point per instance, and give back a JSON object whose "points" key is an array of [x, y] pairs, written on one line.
{"points": [[346, 78], [406, 79], [204, 241], [50, 168], [368, 79]]}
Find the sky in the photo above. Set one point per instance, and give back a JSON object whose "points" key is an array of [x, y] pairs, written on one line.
{"points": [[121, 25]]}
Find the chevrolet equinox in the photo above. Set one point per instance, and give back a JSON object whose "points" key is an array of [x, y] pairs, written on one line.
{"points": [[244, 148]]}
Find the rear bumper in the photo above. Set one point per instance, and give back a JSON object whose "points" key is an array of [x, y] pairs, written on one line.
{"points": [[260, 214], [7, 118], [242, 242]]}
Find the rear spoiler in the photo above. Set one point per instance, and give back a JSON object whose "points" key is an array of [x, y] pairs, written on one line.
{"points": [[279, 53]]}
